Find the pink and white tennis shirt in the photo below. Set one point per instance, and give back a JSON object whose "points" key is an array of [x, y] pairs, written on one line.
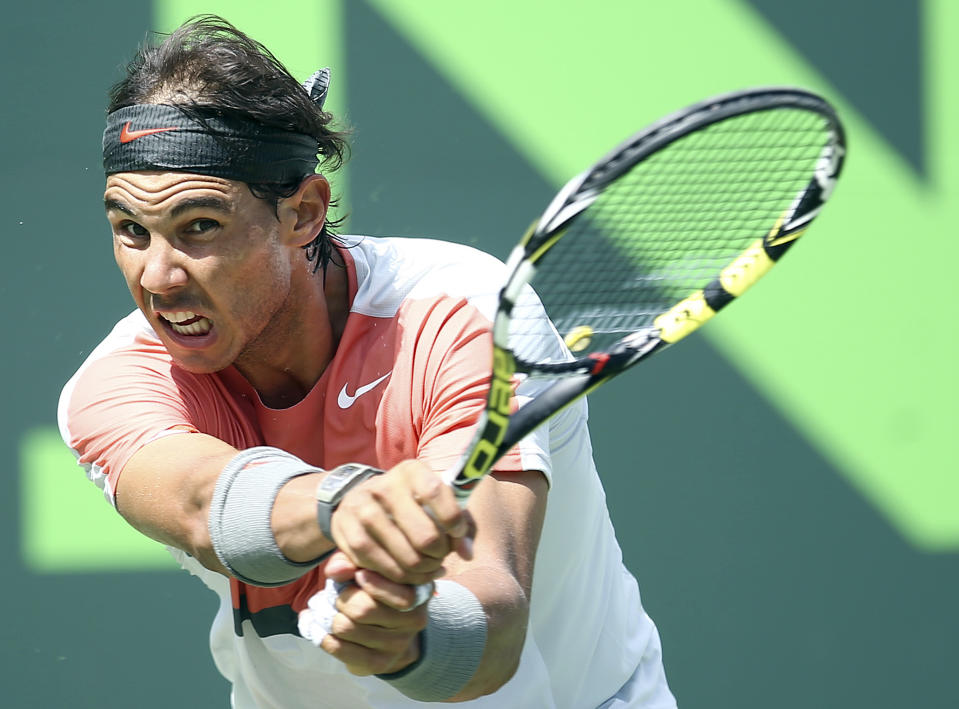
{"points": [[408, 381]]}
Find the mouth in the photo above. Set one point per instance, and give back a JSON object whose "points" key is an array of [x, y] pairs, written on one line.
{"points": [[187, 323]]}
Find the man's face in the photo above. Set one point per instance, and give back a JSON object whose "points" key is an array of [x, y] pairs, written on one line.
{"points": [[204, 260]]}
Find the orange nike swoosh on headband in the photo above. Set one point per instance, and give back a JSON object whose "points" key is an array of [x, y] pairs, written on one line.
{"points": [[127, 135]]}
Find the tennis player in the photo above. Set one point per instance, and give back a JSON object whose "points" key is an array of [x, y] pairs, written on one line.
{"points": [[267, 354]]}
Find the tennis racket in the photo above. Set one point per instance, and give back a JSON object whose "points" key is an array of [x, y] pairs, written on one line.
{"points": [[647, 245]]}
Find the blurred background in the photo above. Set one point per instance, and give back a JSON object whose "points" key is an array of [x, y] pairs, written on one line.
{"points": [[800, 553]]}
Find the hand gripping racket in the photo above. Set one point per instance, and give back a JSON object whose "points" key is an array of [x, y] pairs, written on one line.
{"points": [[647, 245]]}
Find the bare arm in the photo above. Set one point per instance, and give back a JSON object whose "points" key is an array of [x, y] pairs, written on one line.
{"points": [[165, 489], [509, 514]]}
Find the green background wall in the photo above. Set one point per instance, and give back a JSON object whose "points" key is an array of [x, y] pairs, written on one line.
{"points": [[801, 553]]}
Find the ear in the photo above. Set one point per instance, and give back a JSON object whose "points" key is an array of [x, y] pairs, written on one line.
{"points": [[303, 214]]}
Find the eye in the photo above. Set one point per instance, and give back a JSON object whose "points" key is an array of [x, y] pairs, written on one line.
{"points": [[202, 226], [133, 230]]}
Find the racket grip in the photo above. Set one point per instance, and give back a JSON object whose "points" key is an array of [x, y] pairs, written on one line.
{"points": [[424, 592]]}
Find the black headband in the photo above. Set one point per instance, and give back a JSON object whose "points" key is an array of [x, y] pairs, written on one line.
{"points": [[162, 137]]}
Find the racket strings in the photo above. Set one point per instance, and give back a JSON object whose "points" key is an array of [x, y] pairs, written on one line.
{"points": [[666, 228]]}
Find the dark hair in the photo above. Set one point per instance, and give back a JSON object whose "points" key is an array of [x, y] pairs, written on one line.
{"points": [[207, 63]]}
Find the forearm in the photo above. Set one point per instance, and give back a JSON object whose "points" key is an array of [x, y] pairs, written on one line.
{"points": [[166, 488], [294, 522], [509, 512], [497, 576], [507, 612]]}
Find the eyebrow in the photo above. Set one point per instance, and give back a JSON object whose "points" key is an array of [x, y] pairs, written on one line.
{"points": [[112, 204], [215, 203]]}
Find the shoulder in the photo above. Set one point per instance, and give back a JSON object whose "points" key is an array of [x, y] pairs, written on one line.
{"points": [[393, 269], [128, 373], [131, 340]]}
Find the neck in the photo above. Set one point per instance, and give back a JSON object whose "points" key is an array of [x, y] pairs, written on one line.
{"points": [[288, 359]]}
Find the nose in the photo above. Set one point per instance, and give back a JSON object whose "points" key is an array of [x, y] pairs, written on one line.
{"points": [[164, 269]]}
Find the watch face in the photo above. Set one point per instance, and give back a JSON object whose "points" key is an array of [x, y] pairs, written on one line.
{"points": [[340, 474], [338, 479], [349, 470]]}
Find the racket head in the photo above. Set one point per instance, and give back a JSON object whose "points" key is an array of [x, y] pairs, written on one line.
{"points": [[652, 221], [647, 244]]}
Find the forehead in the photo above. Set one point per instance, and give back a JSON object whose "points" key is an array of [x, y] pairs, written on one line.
{"points": [[159, 192]]}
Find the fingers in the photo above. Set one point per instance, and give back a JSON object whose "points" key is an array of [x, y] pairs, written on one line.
{"points": [[393, 532], [359, 604], [369, 535], [419, 529], [401, 524], [370, 636], [398, 596], [436, 498], [366, 651]]}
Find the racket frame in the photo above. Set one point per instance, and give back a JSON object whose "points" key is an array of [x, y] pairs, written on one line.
{"points": [[499, 428]]}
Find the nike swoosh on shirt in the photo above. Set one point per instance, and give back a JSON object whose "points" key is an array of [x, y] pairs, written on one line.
{"points": [[127, 135], [346, 401]]}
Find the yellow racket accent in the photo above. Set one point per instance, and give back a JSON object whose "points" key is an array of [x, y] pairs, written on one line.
{"points": [[484, 455], [545, 246], [774, 238], [747, 268], [684, 317], [736, 278], [529, 233]]}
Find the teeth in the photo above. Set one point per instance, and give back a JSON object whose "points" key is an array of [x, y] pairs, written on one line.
{"points": [[200, 327], [177, 320], [178, 317]]}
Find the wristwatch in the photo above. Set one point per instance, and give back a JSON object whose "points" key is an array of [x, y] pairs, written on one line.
{"points": [[334, 486]]}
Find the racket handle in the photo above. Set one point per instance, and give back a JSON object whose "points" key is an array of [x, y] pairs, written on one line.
{"points": [[424, 592]]}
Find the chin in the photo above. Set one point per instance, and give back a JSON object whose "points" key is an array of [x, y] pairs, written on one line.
{"points": [[197, 365]]}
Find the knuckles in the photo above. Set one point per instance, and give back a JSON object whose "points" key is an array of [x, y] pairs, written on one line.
{"points": [[360, 608], [368, 513], [361, 545], [429, 489], [428, 539], [364, 519], [342, 626]]}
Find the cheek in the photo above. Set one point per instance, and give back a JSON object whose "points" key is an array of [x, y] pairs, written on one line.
{"points": [[266, 262], [127, 265], [268, 280], [256, 283]]}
